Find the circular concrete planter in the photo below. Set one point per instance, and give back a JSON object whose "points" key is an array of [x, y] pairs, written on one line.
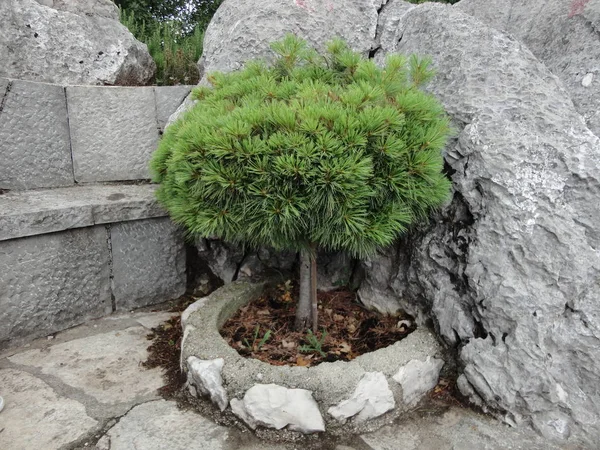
{"points": [[329, 383]]}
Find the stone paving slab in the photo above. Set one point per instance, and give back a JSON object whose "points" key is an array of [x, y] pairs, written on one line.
{"points": [[114, 130], [106, 366], [160, 425], [28, 213], [36, 417], [457, 429], [35, 148]]}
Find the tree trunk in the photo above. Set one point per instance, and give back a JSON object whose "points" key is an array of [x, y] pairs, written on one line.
{"points": [[313, 289], [303, 313]]}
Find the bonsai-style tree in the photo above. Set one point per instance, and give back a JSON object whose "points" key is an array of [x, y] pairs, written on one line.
{"points": [[309, 152]]}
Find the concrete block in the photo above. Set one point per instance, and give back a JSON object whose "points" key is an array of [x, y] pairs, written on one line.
{"points": [[27, 213], [148, 262], [114, 131], [35, 150], [52, 282], [168, 99]]}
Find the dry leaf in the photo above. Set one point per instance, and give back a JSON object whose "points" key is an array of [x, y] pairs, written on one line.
{"points": [[345, 347], [338, 317], [263, 312], [351, 328], [288, 344], [301, 361]]}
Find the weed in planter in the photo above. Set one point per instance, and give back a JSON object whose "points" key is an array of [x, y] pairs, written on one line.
{"points": [[256, 346], [314, 343]]}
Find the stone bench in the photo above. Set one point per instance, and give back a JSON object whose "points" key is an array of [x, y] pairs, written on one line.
{"points": [[81, 234]]}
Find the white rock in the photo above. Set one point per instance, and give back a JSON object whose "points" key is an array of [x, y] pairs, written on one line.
{"points": [[205, 376], [418, 377], [371, 398], [276, 407], [161, 425], [238, 408], [587, 80]]}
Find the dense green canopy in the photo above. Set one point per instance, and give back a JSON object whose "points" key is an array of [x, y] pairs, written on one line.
{"points": [[328, 150]]}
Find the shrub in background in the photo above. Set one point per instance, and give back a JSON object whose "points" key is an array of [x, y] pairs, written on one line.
{"points": [[175, 52], [310, 152]]}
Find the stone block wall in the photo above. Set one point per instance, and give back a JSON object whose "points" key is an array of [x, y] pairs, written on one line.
{"points": [[53, 136], [81, 234], [54, 281]]}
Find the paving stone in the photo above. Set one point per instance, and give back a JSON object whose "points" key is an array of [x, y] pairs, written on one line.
{"points": [[114, 131], [105, 366], [28, 213], [168, 99], [36, 417], [457, 429], [148, 262], [160, 425], [52, 282], [34, 137]]}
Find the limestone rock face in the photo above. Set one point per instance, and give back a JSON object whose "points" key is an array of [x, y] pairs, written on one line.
{"points": [[241, 31], [70, 42], [102, 8], [563, 34], [509, 270], [230, 262]]}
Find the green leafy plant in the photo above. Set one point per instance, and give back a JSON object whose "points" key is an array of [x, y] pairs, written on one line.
{"points": [[256, 342], [315, 345], [313, 151]]}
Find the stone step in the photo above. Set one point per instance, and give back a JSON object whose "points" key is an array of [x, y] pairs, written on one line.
{"points": [[33, 212]]}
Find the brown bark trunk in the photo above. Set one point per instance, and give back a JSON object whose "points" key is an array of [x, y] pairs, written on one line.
{"points": [[303, 312], [313, 288]]}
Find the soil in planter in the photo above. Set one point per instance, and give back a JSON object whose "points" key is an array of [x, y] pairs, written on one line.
{"points": [[264, 329]]}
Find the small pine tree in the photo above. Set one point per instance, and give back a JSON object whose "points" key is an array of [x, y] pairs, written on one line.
{"points": [[309, 152]]}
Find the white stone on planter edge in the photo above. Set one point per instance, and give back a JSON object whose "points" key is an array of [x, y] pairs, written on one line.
{"points": [[418, 377], [238, 408], [275, 406], [205, 376], [371, 398]]}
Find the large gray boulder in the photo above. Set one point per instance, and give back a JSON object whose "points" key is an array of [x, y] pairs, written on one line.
{"points": [[563, 34], [103, 8], [241, 31], [76, 43], [510, 270]]}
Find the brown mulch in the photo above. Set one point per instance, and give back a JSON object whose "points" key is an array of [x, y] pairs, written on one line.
{"points": [[164, 351], [263, 329]]}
